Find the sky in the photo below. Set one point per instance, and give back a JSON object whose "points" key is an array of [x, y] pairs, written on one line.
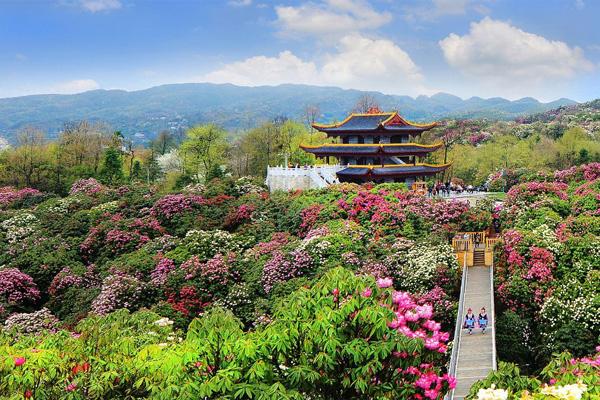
{"points": [[545, 49]]}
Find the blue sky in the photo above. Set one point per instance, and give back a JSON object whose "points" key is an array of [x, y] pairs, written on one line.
{"points": [[544, 49]]}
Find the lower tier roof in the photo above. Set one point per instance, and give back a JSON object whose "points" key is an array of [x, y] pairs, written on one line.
{"points": [[390, 171]]}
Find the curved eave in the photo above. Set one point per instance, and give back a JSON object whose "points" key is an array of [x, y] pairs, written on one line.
{"points": [[391, 121], [379, 131], [388, 149]]}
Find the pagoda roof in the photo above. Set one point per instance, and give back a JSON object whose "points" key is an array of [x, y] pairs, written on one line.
{"points": [[386, 121], [388, 171], [372, 149]]}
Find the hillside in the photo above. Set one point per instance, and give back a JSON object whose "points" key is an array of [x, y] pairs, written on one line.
{"points": [[144, 112]]}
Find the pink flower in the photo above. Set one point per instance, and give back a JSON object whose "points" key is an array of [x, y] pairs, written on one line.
{"points": [[367, 292], [71, 387], [425, 311], [395, 324], [411, 316], [19, 361], [336, 292], [384, 282], [552, 381], [431, 344], [451, 381]]}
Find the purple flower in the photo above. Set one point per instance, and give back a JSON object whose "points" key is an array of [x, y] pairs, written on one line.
{"points": [[17, 287]]}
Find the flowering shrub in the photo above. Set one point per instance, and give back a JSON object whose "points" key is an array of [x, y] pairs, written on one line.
{"points": [[9, 196], [205, 244], [119, 291], [281, 268], [35, 322], [547, 272], [19, 227], [564, 377], [173, 204], [63, 280], [163, 268], [415, 266], [246, 185], [89, 187], [17, 289]]}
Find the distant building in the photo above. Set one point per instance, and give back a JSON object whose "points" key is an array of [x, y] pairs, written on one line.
{"points": [[375, 147], [378, 147]]}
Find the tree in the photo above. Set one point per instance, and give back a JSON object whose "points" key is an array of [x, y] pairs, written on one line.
{"points": [[136, 171], [112, 168], [449, 138], [366, 103], [205, 146], [163, 142], [311, 112], [29, 158]]}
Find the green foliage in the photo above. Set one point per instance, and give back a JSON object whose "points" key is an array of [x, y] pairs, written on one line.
{"points": [[112, 168]]}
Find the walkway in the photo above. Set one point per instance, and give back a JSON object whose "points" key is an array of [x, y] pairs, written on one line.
{"points": [[474, 357]]}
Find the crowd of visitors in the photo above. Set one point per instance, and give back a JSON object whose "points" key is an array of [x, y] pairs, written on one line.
{"points": [[446, 189]]}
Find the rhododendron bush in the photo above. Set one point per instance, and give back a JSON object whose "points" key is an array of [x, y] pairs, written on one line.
{"points": [[347, 337], [564, 377], [548, 272], [233, 246]]}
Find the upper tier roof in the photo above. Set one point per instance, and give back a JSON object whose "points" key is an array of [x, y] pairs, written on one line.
{"points": [[390, 121]]}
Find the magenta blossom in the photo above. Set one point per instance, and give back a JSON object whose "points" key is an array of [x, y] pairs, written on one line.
{"points": [[384, 282]]}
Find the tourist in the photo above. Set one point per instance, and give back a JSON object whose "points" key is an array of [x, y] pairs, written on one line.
{"points": [[470, 321], [483, 320]]}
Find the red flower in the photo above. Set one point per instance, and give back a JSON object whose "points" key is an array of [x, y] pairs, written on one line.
{"points": [[19, 361]]}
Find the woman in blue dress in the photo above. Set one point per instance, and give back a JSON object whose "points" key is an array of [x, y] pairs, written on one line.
{"points": [[470, 321], [482, 318]]}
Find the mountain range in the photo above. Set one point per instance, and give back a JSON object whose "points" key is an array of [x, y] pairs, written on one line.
{"points": [[143, 113]]}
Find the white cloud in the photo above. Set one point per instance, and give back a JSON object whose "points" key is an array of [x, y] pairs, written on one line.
{"points": [[372, 64], [358, 62], [498, 53], [75, 86], [100, 5], [262, 70], [332, 18], [239, 3]]}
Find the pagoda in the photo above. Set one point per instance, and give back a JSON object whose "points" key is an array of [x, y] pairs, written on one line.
{"points": [[377, 147]]}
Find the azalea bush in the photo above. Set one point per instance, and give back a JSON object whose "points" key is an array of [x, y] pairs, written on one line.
{"points": [[564, 377], [346, 337], [547, 274]]}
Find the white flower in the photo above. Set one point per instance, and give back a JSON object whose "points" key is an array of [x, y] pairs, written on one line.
{"points": [[163, 322], [566, 392], [492, 394]]}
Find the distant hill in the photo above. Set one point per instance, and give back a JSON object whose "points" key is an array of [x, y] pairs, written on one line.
{"points": [[582, 115], [143, 113]]}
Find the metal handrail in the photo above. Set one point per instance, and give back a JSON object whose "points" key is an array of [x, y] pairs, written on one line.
{"points": [[494, 365], [458, 327]]}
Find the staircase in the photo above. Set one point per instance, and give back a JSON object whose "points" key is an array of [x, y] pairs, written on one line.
{"points": [[474, 356], [478, 257]]}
